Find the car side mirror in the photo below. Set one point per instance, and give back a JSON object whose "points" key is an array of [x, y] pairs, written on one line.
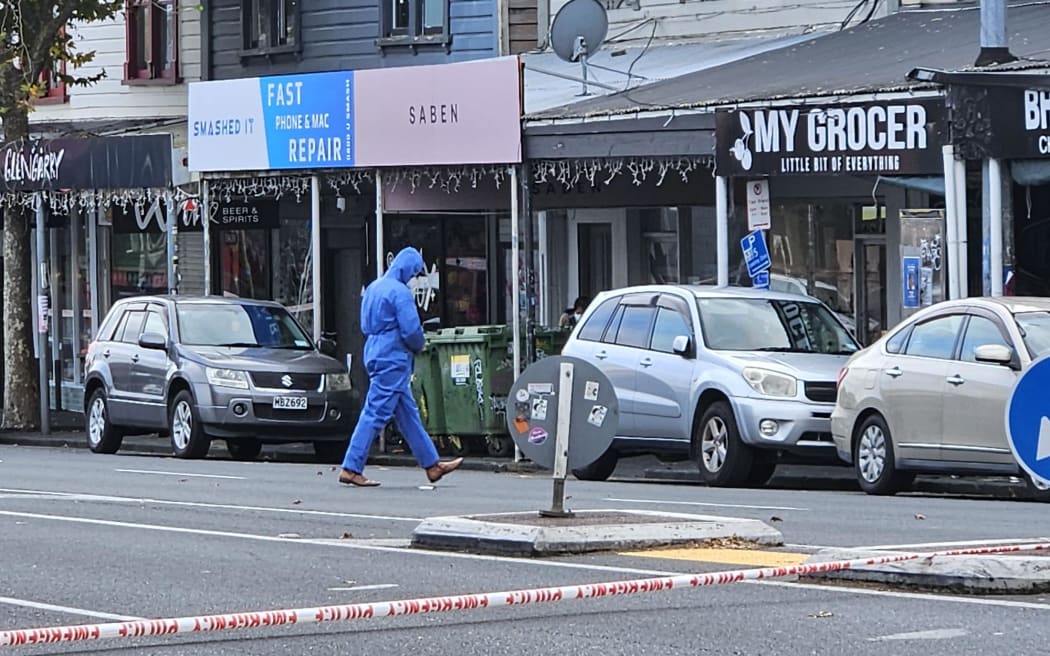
{"points": [[996, 354], [327, 346], [154, 341], [683, 346]]}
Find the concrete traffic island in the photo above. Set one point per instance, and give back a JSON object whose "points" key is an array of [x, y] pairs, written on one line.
{"points": [[995, 574], [532, 535]]}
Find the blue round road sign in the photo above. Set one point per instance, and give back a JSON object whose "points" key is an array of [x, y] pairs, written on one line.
{"points": [[1028, 420]]}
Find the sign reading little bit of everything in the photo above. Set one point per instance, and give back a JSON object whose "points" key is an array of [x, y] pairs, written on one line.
{"points": [[465, 113]]}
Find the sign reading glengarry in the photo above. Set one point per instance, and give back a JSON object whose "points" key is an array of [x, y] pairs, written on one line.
{"points": [[890, 136], [464, 113], [130, 162]]}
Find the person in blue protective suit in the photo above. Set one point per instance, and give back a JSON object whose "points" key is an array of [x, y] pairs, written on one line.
{"points": [[393, 336]]}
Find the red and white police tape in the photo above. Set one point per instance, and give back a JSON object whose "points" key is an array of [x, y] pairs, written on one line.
{"points": [[274, 618]]}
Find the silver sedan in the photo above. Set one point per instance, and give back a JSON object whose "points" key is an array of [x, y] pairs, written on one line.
{"points": [[930, 395]]}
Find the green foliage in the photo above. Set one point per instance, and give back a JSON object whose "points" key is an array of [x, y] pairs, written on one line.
{"points": [[33, 39]]}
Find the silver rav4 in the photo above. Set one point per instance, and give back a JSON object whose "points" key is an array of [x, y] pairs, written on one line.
{"points": [[730, 377], [210, 367]]}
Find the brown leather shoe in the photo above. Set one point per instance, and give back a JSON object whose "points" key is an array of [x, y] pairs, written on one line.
{"points": [[436, 472], [348, 477]]}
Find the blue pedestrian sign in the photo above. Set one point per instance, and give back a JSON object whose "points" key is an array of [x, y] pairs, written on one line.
{"points": [[756, 255], [1028, 420], [761, 280]]}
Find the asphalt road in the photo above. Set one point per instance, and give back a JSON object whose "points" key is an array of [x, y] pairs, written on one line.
{"points": [[86, 538]]}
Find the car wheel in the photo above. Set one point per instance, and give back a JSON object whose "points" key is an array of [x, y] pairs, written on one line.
{"points": [[244, 448], [499, 446], [1037, 491], [102, 436], [331, 453], [873, 459], [188, 439], [599, 470], [724, 459]]}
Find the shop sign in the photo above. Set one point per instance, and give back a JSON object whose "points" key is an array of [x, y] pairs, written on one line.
{"points": [[247, 214], [894, 136], [137, 218], [445, 114], [1019, 122], [132, 162]]}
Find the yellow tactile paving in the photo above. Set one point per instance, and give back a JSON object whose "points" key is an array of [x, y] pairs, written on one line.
{"points": [[752, 557]]}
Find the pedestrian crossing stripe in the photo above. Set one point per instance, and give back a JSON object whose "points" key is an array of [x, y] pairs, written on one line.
{"points": [[752, 557]]}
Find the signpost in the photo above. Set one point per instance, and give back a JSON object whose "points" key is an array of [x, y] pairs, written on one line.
{"points": [[555, 399], [1028, 421], [758, 205], [756, 257]]}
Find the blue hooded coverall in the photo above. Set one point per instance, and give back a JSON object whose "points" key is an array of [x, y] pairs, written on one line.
{"points": [[394, 335]]}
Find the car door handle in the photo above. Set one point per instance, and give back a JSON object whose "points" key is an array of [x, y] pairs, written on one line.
{"points": [[647, 362], [894, 372], [601, 355], [135, 358], [956, 380], [105, 353]]}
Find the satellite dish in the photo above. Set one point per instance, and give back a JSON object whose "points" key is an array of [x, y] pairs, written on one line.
{"points": [[578, 30]]}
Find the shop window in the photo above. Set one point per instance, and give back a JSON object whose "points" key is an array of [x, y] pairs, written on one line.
{"points": [[410, 22], [270, 26], [244, 260], [152, 42]]}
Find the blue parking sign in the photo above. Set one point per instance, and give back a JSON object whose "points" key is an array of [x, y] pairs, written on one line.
{"points": [[1028, 420], [756, 255], [761, 280]]}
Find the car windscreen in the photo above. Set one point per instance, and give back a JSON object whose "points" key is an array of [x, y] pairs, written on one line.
{"points": [[1035, 329], [757, 324], [239, 325]]}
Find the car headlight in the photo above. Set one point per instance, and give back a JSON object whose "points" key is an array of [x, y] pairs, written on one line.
{"points": [[227, 378], [770, 383], [337, 382]]}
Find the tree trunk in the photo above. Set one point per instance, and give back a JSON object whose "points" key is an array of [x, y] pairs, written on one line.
{"points": [[21, 394]]}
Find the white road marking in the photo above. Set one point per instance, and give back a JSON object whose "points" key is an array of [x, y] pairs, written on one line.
{"points": [[194, 504], [355, 588], [166, 473], [702, 503], [942, 545], [11, 601], [348, 544], [932, 634]]}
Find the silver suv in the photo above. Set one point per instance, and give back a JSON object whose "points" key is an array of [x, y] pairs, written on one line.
{"points": [[194, 369], [730, 377]]}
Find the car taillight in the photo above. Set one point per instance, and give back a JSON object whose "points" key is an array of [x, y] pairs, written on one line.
{"points": [[842, 374]]}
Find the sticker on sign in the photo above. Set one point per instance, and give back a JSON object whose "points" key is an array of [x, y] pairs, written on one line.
{"points": [[758, 217]]}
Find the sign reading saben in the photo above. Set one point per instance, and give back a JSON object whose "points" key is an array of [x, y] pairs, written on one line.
{"points": [[885, 137]]}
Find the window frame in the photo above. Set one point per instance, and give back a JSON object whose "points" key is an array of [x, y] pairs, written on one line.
{"points": [[57, 94], [291, 7], [1004, 334], [416, 33], [151, 75], [959, 332]]}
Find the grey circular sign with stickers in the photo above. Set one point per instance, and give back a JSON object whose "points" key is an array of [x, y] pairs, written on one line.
{"points": [[535, 401]]}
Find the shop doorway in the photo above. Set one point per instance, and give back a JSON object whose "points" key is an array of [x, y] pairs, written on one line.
{"points": [[869, 256], [597, 252]]}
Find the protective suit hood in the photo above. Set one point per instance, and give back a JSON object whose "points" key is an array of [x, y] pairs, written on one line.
{"points": [[406, 265]]}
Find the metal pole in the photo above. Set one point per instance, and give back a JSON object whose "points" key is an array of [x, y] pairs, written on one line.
{"points": [[994, 48], [561, 441], [961, 227], [515, 255], [950, 237], [93, 281], [206, 225], [41, 261], [722, 229], [75, 238], [58, 309], [380, 248], [173, 236], [811, 248], [315, 251], [530, 267], [995, 234]]}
